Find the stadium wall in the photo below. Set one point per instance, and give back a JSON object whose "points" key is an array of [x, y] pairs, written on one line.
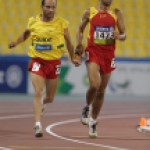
{"points": [[130, 78]]}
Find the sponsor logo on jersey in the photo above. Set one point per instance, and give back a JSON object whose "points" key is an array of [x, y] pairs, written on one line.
{"points": [[103, 15], [38, 39]]}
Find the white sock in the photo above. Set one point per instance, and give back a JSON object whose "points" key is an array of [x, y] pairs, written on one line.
{"points": [[92, 120], [90, 109], [90, 106], [86, 105], [37, 123]]}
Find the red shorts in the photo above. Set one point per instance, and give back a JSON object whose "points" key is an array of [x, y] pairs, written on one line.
{"points": [[106, 61], [48, 69]]}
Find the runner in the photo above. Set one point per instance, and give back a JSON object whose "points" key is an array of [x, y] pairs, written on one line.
{"points": [[48, 34], [100, 56]]}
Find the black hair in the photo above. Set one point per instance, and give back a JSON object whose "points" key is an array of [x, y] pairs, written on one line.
{"points": [[43, 1]]}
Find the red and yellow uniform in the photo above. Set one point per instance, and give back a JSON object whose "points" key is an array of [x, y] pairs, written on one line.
{"points": [[47, 46], [101, 43]]}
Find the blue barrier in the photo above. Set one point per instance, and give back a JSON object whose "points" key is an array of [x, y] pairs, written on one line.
{"points": [[13, 75]]}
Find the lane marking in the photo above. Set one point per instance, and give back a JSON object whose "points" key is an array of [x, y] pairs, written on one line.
{"points": [[113, 137], [64, 122], [57, 148], [4, 148], [49, 128], [75, 113], [31, 115]]}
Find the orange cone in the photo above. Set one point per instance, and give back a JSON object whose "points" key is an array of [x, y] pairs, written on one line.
{"points": [[143, 122]]}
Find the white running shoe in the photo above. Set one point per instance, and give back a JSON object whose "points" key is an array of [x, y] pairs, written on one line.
{"points": [[85, 116], [144, 129], [38, 131], [92, 129]]}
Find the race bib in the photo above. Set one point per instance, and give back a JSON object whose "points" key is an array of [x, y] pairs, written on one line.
{"points": [[58, 69], [113, 65], [36, 67], [104, 35], [43, 47]]}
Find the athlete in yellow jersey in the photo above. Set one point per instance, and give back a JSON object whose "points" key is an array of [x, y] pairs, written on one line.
{"points": [[48, 35]]}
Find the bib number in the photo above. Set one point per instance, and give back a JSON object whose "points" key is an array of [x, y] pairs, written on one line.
{"points": [[113, 65], [87, 55], [104, 35], [58, 69], [36, 67]]}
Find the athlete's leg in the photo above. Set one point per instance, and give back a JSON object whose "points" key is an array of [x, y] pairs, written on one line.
{"points": [[94, 81], [51, 82], [38, 84], [97, 104], [51, 86], [98, 101]]}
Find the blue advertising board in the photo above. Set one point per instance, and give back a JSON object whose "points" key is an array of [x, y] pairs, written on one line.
{"points": [[13, 76]]}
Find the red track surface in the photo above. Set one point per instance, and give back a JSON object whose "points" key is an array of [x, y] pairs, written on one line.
{"points": [[116, 128]]}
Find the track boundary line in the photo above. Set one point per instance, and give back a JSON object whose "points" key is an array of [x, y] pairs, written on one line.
{"points": [[49, 130], [4, 148]]}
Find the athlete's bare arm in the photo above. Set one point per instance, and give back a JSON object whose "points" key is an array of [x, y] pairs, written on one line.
{"points": [[23, 37], [70, 47], [82, 26], [121, 27], [69, 43]]}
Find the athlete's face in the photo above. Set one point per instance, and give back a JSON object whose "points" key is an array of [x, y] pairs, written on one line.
{"points": [[49, 8], [106, 3]]}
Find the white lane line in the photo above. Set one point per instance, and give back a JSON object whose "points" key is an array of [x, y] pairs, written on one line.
{"points": [[4, 148], [49, 128], [31, 115], [16, 117], [74, 113]]}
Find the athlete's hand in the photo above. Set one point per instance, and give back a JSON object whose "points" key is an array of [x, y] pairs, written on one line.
{"points": [[77, 60], [12, 45], [79, 50], [116, 35]]}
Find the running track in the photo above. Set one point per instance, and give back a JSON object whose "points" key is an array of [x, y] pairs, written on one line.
{"points": [[63, 130]]}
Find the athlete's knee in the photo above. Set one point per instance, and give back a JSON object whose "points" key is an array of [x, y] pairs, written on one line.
{"points": [[100, 93], [94, 87], [102, 89], [38, 94]]}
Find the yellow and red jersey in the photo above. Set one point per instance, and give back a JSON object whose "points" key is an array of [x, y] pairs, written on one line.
{"points": [[101, 27]]}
